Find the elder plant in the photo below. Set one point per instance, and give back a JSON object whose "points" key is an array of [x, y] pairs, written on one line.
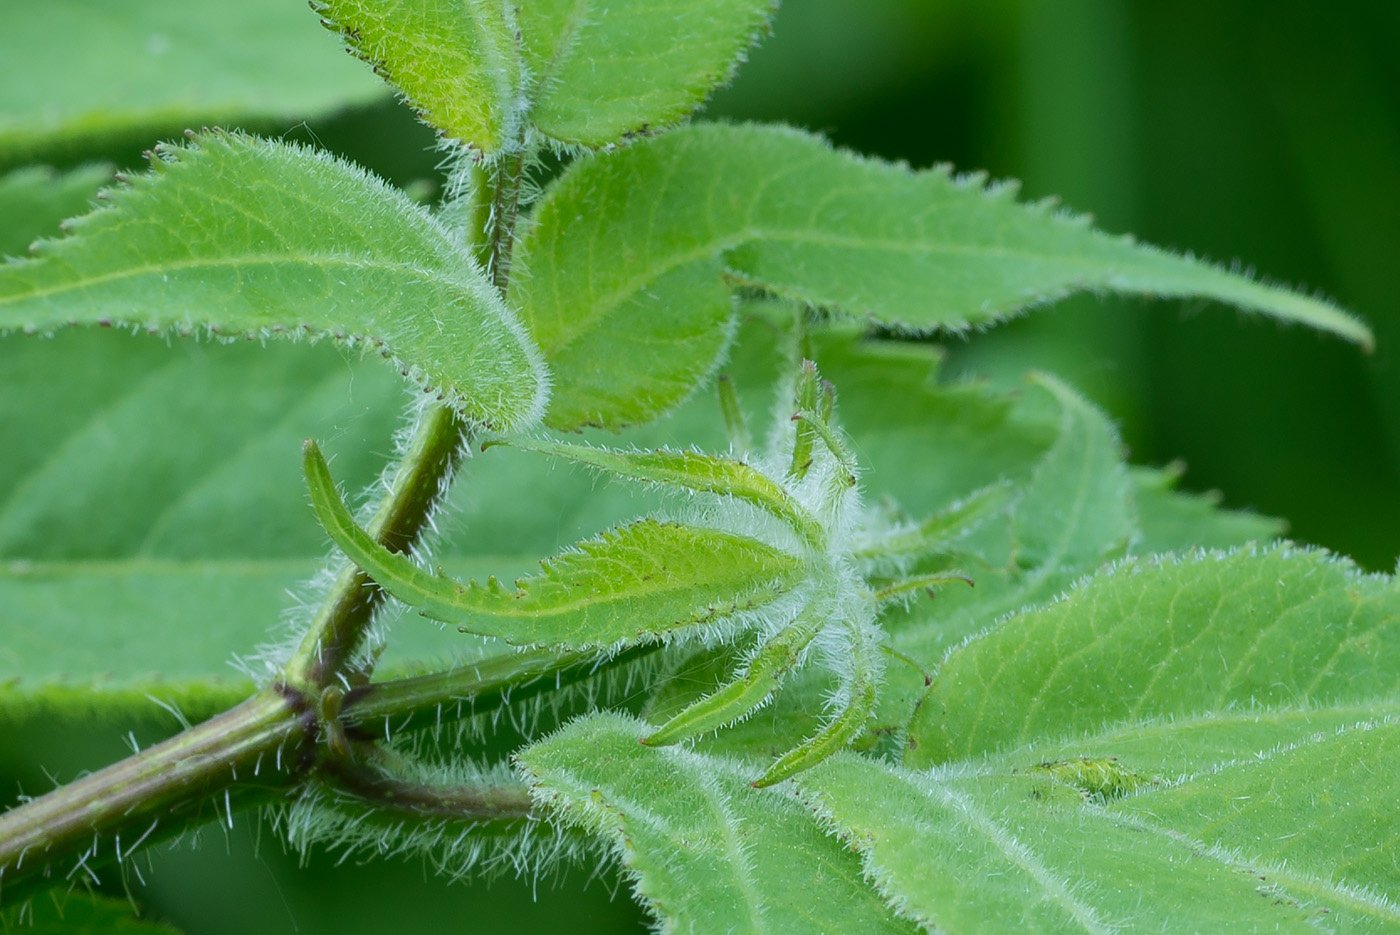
{"points": [[738, 682]]}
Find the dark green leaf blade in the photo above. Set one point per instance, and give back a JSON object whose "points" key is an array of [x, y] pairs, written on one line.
{"points": [[240, 237], [707, 852]]}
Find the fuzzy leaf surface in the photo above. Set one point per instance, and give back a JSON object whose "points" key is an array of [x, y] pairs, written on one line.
{"points": [[457, 63], [706, 851], [640, 234], [81, 70], [631, 585], [1268, 629], [989, 853], [605, 70], [241, 237], [34, 200]]}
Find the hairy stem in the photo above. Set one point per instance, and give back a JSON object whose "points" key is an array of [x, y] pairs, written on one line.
{"points": [[255, 751], [428, 700], [159, 792]]}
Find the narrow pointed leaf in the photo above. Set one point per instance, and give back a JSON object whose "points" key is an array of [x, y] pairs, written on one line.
{"points": [[692, 470], [639, 583], [991, 854], [705, 850], [605, 70], [152, 68], [239, 237], [1168, 640], [917, 250], [34, 200], [457, 63]]}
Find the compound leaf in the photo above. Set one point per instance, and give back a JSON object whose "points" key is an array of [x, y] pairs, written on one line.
{"points": [[241, 237], [707, 852]]}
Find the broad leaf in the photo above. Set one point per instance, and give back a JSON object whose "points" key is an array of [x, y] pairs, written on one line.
{"points": [[636, 584], [238, 237], [1170, 741], [1172, 639], [34, 200], [77, 71], [457, 63], [963, 852], [577, 72], [605, 70], [628, 246], [707, 852]]}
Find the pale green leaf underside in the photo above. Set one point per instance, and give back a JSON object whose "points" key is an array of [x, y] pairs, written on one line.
{"points": [[457, 63], [782, 210], [973, 854], [706, 851], [603, 70], [1180, 638], [33, 201], [239, 237], [79, 69], [635, 584]]}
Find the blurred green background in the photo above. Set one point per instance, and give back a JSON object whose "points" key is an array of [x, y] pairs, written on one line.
{"points": [[1263, 132]]}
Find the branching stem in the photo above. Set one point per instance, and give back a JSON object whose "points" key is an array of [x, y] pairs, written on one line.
{"points": [[254, 752]]}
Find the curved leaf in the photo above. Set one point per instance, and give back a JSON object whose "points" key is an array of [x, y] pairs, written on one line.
{"points": [[707, 851], [237, 236], [636, 584]]}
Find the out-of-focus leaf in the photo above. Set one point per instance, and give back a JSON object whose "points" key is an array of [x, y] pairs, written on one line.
{"points": [[34, 200], [78, 70]]}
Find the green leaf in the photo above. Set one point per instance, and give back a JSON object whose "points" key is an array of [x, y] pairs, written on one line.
{"points": [[1176, 521], [632, 585], [34, 200], [642, 234], [692, 470], [604, 71], [1174, 639], [240, 237], [458, 64], [62, 912], [962, 852], [144, 69], [707, 852]]}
